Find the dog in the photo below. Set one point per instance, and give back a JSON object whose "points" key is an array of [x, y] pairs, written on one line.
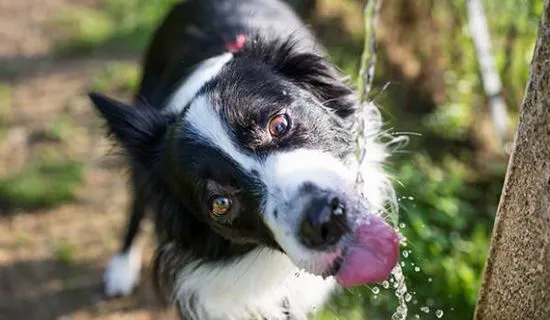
{"points": [[240, 140]]}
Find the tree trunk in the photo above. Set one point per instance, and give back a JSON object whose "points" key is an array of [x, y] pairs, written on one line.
{"points": [[516, 282], [489, 75]]}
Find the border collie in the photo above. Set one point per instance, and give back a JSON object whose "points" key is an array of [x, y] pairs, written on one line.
{"points": [[240, 140]]}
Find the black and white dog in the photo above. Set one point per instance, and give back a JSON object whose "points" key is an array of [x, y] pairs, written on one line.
{"points": [[240, 141]]}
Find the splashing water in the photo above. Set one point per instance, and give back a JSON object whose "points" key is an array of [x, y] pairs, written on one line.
{"points": [[400, 292]]}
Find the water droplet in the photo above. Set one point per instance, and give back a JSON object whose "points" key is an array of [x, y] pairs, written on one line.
{"points": [[376, 290], [425, 309], [416, 316], [411, 198], [415, 302], [417, 269], [412, 264], [439, 313], [401, 225], [385, 284], [452, 309], [402, 263], [405, 253], [429, 279], [408, 297]]}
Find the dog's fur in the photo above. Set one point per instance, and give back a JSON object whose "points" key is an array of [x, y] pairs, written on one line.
{"points": [[197, 128]]}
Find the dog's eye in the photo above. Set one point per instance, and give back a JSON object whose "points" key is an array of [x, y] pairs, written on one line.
{"points": [[279, 125], [219, 205]]}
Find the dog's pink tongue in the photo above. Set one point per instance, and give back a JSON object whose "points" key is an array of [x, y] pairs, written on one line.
{"points": [[372, 256]]}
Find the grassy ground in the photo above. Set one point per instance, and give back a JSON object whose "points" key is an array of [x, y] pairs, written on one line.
{"points": [[62, 201]]}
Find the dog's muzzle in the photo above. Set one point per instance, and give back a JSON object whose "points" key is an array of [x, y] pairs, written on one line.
{"points": [[323, 224]]}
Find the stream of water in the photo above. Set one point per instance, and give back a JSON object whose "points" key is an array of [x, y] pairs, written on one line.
{"points": [[401, 294]]}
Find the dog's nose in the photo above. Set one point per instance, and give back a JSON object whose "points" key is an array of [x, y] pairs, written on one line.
{"points": [[324, 222]]}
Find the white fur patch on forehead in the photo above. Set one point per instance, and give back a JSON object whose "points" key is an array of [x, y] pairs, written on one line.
{"points": [[204, 72], [208, 124], [285, 172]]}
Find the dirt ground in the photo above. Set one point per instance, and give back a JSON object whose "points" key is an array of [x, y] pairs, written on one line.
{"points": [[51, 260]]}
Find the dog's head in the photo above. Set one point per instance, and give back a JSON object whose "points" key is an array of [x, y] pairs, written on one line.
{"points": [[255, 148]]}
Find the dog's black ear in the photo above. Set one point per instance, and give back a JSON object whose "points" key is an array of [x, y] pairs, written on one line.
{"points": [[139, 130], [310, 70], [317, 75]]}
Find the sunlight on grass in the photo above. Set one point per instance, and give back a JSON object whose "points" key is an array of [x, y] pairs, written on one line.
{"points": [[86, 28], [116, 25], [42, 184]]}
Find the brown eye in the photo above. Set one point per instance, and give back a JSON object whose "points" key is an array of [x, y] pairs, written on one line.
{"points": [[279, 125], [219, 205]]}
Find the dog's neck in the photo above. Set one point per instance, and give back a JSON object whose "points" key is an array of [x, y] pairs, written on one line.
{"points": [[262, 284]]}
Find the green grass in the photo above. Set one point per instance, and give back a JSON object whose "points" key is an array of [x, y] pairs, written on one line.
{"points": [[23, 240], [123, 26], [43, 184], [61, 128], [5, 107], [65, 252], [117, 76], [85, 28], [5, 101]]}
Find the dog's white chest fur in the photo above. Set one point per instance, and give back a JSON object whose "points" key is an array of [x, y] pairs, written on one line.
{"points": [[257, 286]]}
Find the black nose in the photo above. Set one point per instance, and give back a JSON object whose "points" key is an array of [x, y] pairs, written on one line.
{"points": [[324, 222]]}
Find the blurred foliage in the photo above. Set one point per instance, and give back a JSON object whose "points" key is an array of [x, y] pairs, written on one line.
{"points": [[45, 183], [65, 252], [5, 107], [117, 76], [60, 129], [450, 181], [447, 230], [123, 26]]}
